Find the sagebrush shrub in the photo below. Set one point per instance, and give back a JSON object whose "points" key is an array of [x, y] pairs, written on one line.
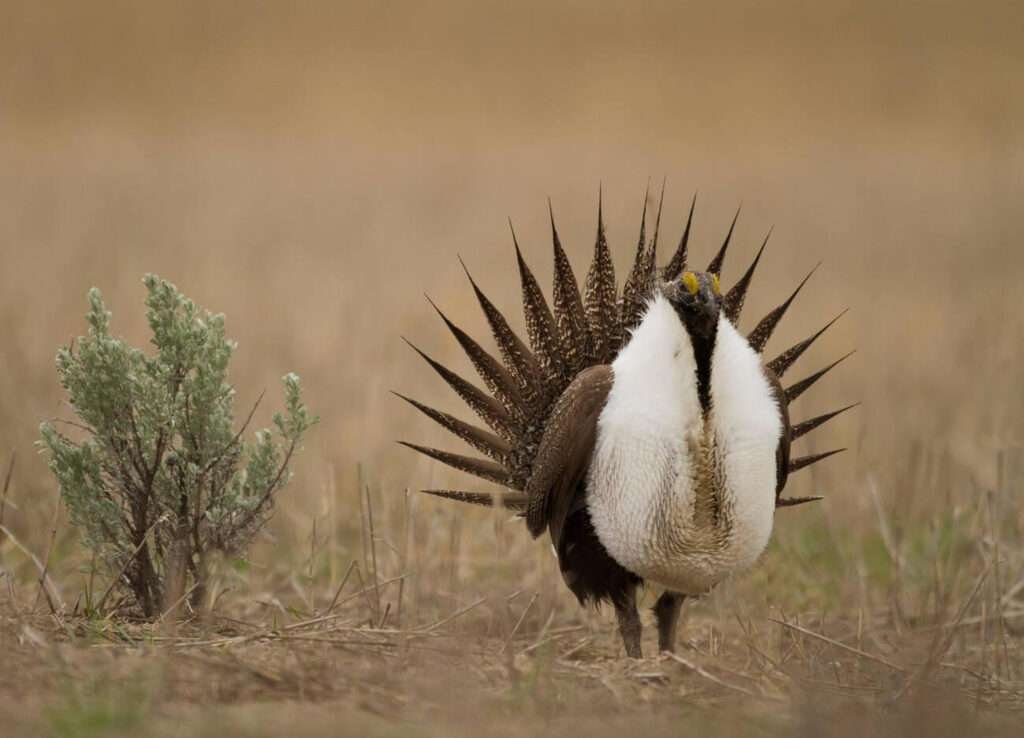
{"points": [[156, 477]]}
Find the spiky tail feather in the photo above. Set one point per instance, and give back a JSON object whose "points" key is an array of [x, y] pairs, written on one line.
{"points": [[515, 501]]}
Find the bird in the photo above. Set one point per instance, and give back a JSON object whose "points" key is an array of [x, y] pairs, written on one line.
{"points": [[639, 428]]}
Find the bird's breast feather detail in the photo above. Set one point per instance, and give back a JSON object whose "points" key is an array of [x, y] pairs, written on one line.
{"points": [[676, 495]]}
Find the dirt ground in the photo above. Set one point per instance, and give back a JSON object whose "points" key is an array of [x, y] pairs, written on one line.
{"points": [[343, 677]]}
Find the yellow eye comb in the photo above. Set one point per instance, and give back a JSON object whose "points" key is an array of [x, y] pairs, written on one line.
{"points": [[689, 280]]}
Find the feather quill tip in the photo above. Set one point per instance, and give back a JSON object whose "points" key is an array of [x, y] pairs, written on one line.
{"points": [[794, 501]]}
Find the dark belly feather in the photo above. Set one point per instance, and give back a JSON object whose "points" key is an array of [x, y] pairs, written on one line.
{"points": [[587, 568]]}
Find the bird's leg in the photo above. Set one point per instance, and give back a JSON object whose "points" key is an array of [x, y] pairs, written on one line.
{"points": [[666, 611], [629, 623]]}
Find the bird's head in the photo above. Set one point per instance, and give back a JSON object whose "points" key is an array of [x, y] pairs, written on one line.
{"points": [[697, 299]]}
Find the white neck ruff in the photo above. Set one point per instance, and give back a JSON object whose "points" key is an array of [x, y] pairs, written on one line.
{"points": [[677, 497]]}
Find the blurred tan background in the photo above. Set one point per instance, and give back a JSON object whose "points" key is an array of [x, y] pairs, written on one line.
{"points": [[311, 169]]}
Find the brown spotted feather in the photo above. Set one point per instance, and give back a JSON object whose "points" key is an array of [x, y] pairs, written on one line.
{"points": [[540, 323], [483, 441], [758, 337], [600, 300], [715, 267], [677, 263], [803, 385], [736, 296], [570, 317], [636, 288], [517, 357], [489, 409], [498, 379], [783, 361]]}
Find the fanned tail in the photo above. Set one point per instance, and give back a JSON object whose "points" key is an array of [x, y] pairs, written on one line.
{"points": [[578, 330], [582, 331]]}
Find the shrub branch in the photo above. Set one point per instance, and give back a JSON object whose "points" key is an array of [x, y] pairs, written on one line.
{"points": [[158, 479]]}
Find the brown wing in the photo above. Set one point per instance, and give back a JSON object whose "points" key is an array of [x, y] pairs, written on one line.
{"points": [[564, 454]]}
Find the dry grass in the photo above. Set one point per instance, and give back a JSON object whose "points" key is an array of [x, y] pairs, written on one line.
{"points": [[437, 625], [311, 172]]}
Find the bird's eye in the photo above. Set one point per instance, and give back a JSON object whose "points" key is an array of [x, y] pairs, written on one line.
{"points": [[715, 285], [689, 280]]}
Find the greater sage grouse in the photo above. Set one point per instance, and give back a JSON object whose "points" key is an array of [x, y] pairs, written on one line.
{"points": [[642, 430]]}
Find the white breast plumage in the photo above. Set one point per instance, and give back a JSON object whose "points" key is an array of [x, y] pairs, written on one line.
{"points": [[659, 461]]}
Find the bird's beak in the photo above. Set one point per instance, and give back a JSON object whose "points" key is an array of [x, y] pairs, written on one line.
{"points": [[706, 315]]}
